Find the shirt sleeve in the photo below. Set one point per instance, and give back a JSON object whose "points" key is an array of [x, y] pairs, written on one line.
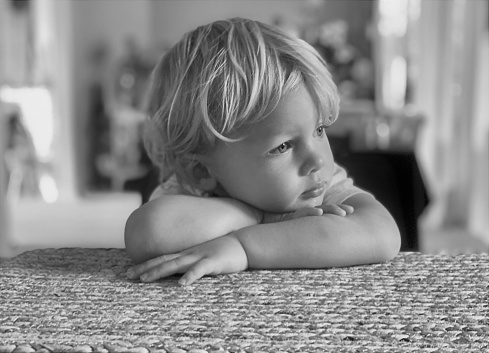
{"points": [[341, 188], [173, 187]]}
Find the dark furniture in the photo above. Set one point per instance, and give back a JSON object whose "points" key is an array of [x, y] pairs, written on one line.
{"points": [[394, 178]]}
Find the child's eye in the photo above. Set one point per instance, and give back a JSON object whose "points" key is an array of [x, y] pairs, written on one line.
{"points": [[321, 130], [284, 147]]}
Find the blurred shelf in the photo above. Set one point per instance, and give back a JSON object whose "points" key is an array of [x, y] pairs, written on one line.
{"points": [[367, 131]]}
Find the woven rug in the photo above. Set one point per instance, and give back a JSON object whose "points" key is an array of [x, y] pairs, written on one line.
{"points": [[79, 300]]}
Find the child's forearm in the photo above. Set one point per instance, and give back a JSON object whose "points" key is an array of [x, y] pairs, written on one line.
{"points": [[176, 222], [368, 235]]}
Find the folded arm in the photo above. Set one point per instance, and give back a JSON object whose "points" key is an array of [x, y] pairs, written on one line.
{"points": [[172, 223], [368, 235]]}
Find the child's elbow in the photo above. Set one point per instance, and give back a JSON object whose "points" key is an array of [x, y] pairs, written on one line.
{"points": [[136, 237], [391, 243]]}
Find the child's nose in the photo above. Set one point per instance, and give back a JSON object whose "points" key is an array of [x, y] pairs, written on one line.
{"points": [[313, 162]]}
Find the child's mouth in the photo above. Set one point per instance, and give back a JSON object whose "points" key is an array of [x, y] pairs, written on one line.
{"points": [[316, 191]]}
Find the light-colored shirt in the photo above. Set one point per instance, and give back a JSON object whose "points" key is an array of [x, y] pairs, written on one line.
{"points": [[341, 188]]}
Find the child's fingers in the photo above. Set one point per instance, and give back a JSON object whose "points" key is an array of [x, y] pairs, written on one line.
{"points": [[137, 270], [177, 265], [197, 271], [348, 209], [334, 209], [339, 210]]}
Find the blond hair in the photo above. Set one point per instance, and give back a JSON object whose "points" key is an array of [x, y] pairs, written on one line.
{"points": [[220, 77]]}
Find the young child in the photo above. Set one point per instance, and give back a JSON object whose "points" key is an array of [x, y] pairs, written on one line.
{"points": [[238, 117]]}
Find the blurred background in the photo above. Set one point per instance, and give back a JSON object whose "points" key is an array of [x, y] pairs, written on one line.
{"points": [[414, 124]]}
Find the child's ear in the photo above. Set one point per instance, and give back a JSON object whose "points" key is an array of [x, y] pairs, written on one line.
{"points": [[203, 179]]}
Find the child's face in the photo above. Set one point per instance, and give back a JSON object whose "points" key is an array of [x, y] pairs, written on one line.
{"points": [[285, 162]]}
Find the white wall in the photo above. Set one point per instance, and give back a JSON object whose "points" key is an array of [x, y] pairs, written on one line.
{"points": [[4, 238], [7, 74], [62, 80], [171, 19]]}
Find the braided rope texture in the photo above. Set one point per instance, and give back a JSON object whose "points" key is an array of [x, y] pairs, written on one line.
{"points": [[79, 300]]}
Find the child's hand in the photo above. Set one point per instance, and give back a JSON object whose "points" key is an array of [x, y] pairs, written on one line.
{"points": [[338, 210], [218, 256]]}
